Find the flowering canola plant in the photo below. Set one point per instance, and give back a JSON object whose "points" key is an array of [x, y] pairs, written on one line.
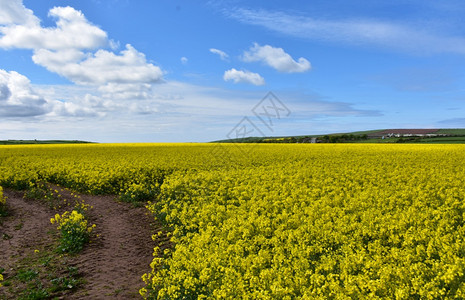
{"points": [[2, 202], [325, 221], [279, 221], [75, 232], [2, 198]]}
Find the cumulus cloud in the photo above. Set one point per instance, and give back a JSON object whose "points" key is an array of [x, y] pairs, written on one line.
{"points": [[18, 99], [107, 80], [73, 48], [276, 58], [14, 12], [243, 76], [223, 55], [21, 29], [103, 67]]}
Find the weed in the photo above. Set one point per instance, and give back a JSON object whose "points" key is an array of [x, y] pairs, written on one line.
{"points": [[27, 275]]}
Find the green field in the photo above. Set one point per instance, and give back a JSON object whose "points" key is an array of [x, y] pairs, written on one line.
{"points": [[454, 136], [40, 142], [453, 131]]}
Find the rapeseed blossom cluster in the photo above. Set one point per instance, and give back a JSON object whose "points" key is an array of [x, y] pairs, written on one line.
{"points": [[317, 222], [2, 202], [2, 198], [74, 230], [278, 221]]}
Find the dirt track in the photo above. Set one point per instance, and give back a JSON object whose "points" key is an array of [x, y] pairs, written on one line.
{"points": [[111, 265]]}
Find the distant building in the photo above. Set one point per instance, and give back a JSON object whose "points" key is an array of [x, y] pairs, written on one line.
{"points": [[405, 133]]}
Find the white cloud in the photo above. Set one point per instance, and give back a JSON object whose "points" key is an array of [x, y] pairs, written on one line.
{"points": [[54, 60], [71, 109], [18, 99], [69, 49], [101, 68], [276, 58], [72, 30], [127, 91], [419, 38], [243, 76], [108, 83], [189, 118], [14, 12], [223, 55], [144, 108]]}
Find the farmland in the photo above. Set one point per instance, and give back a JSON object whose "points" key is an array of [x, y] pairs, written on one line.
{"points": [[427, 136], [287, 221]]}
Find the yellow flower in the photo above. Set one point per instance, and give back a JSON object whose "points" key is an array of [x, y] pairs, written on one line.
{"points": [[2, 198], [269, 221]]}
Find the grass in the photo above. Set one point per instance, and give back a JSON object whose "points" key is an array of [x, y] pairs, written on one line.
{"points": [[3, 211], [453, 131], [377, 140], [252, 139], [30, 142], [444, 140], [359, 132], [457, 136], [40, 275]]}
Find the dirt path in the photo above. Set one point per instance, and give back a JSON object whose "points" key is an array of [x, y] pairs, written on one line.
{"points": [[111, 265], [114, 263], [24, 230]]}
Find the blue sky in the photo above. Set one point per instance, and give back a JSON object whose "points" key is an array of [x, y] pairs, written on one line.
{"points": [[195, 71]]}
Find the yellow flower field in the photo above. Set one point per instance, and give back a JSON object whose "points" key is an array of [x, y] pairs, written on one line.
{"points": [[267, 221]]}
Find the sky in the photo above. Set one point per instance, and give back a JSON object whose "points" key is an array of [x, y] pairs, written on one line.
{"points": [[197, 71]]}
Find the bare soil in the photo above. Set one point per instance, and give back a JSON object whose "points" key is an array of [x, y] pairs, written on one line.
{"points": [[24, 230], [111, 265]]}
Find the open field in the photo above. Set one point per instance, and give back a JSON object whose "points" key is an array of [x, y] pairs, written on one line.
{"points": [[456, 131], [33, 142], [258, 221], [412, 136]]}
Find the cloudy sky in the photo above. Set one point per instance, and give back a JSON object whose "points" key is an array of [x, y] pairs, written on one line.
{"points": [[195, 71]]}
